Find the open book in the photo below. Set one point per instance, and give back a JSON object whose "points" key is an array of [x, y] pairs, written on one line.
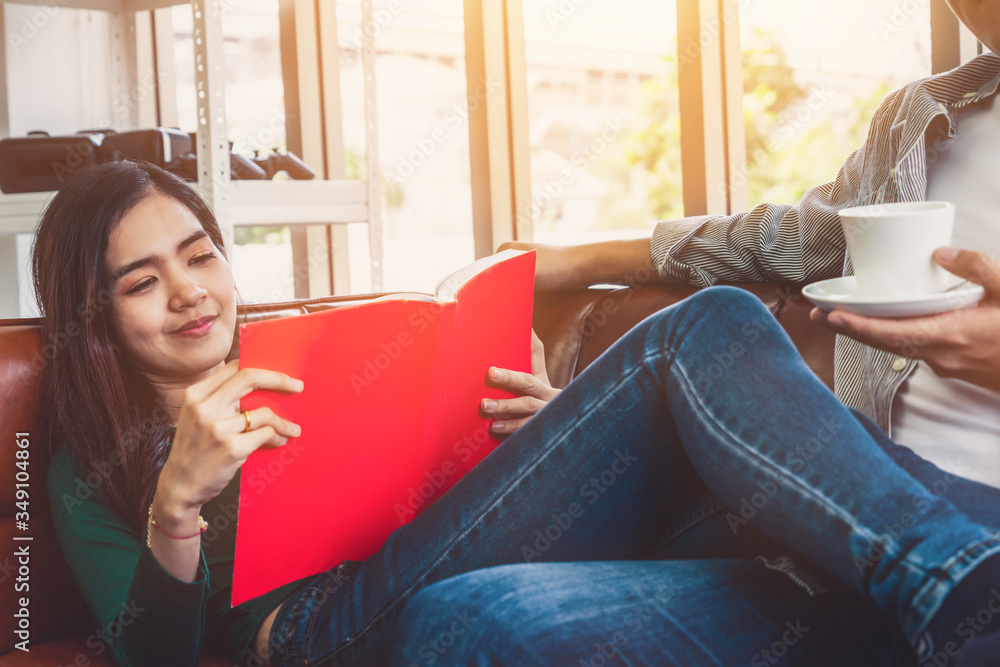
{"points": [[389, 414]]}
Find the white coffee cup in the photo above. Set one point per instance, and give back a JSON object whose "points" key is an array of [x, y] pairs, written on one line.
{"points": [[892, 246]]}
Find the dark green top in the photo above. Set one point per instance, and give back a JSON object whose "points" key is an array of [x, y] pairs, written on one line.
{"points": [[163, 620]]}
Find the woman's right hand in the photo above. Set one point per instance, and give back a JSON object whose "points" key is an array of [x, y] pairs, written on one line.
{"points": [[211, 442]]}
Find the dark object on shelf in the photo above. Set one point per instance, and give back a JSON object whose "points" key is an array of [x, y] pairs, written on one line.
{"points": [[162, 146], [240, 168], [38, 162], [286, 162], [244, 169]]}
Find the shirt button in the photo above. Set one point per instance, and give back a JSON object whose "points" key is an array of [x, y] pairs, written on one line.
{"points": [[899, 364], [968, 95], [942, 105]]}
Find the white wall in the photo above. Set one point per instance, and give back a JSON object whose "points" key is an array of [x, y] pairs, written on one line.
{"points": [[58, 68]]}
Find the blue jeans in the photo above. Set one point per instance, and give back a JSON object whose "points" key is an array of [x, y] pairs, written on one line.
{"points": [[700, 434]]}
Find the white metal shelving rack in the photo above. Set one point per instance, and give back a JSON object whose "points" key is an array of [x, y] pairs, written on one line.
{"points": [[235, 203]]}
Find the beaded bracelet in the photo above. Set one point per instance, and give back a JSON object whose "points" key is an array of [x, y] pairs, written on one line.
{"points": [[202, 524]]}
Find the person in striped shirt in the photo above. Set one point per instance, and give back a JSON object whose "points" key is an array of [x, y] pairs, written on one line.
{"points": [[930, 383]]}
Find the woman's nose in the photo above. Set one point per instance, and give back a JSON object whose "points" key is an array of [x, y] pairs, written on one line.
{"points": [[187, 293]]}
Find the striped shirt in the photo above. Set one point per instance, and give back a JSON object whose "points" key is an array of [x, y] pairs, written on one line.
{"points": [[804, 243]]}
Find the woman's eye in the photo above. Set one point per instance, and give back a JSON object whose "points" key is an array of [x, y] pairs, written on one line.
{"points": [[139, 286], [201, 259]]}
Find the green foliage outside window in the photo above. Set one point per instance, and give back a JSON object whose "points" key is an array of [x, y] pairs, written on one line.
{"points": [[792, 143]]}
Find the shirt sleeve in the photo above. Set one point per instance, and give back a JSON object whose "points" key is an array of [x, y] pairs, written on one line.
{"points": [[770, 243], [145, 615]]}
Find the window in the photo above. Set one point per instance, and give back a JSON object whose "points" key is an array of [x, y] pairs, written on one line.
{"points": [[813, 75], [423, 134], [255, 116], [603, 118]]}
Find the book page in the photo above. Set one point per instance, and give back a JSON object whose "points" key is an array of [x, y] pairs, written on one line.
{"points": [[448, 288]]}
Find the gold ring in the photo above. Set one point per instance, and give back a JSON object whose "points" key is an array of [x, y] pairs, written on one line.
{"points": [[246, 415]]}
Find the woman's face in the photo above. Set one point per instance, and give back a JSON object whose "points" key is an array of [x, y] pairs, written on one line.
{"points": [[173, 303]]}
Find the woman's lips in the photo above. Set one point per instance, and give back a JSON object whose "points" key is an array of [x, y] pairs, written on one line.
{"points": [[198, 328]]}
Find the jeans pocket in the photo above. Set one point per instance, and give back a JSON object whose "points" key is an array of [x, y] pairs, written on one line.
{"points": [[294, 624], [288, 635]]}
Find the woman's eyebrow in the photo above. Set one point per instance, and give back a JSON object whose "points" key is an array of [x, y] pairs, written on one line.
{"points": [[139, 263]]}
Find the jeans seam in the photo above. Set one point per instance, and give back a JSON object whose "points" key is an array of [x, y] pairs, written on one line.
{"points": [[694, 517], [693, 639], [932, 593], [378, 616]]}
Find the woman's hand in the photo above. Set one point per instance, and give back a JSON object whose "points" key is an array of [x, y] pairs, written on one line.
{"points": [[211, 442], [959, 344], [534, 390]]}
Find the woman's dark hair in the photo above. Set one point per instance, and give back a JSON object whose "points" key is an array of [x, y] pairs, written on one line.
{"points": [[91, 396]]}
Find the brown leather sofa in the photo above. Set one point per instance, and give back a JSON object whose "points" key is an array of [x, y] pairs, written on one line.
{"points": [[574, 326]]}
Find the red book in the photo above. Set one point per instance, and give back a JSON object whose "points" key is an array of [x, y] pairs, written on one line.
{"points": [[389, 414]]}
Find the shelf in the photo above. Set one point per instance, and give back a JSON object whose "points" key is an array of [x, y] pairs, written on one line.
{"points": [[112, 6], [251, 203], [21, 213], [297, 202]]}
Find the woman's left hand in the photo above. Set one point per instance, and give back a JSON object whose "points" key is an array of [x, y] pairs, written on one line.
{"points": [[961, 344], [533, 389]]}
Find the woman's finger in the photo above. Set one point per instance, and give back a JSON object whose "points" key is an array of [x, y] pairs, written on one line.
{"points": [[249, 379], [249, 420], [523, 384], [512, 407], [246, 443], [199, 391], [507, 426]]}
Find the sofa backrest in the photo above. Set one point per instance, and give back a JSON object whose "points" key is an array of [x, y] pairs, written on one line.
{"points": [[575, 327]]}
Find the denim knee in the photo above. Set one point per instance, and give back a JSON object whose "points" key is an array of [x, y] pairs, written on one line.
{"points": [[437, 622], [723, 306], [480, 617], [726, 301], [718, 316]]}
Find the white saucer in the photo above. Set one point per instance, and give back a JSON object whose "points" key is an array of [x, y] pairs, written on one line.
{"points": [[841, 294]]}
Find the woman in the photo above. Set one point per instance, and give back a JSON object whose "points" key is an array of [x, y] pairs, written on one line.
{"points": [[627, 467]]}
